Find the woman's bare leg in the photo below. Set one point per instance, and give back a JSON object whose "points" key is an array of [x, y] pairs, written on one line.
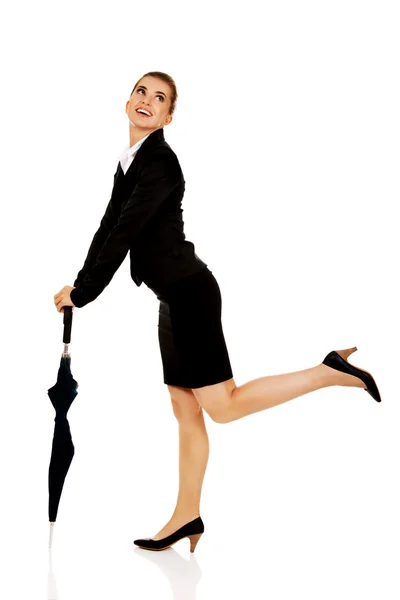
{"points": [[193, 458], [225, 402]]}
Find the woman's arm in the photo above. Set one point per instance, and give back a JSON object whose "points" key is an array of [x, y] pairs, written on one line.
{"points": [[108, 221], [99, 238], [157, 180]]}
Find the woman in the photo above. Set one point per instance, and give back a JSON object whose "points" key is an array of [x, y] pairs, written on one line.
{"points": [[144, 217]]}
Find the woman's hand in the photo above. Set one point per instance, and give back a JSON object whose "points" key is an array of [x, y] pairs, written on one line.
{"points": [[63, 298]]}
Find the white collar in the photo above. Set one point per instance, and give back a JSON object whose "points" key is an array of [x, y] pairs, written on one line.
{"points": [[130, 151]]}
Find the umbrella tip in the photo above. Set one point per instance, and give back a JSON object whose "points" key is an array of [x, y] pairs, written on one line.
{"points": [[51, 535]]}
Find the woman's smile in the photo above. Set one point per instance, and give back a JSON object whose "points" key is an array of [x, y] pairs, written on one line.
{"points": [[143, 115]]}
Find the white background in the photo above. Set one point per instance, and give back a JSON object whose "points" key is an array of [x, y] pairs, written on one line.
{"points": [[287, 132]]}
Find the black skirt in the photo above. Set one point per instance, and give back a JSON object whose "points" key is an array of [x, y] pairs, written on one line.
{"points": [[192, 343]]}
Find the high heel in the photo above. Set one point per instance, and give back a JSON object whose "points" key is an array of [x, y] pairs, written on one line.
{"points": [[193, 530], [337, 360], [194, 540]]}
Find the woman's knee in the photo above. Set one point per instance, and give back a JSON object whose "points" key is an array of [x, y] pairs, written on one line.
{"points": [[216, 400], [184, 403]]}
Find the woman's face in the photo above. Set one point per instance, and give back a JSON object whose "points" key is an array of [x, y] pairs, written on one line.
{"points": [[153, 95]]}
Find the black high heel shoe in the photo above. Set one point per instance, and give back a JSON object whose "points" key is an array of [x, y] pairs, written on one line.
{"points": [[337, 360], [193, 530]]}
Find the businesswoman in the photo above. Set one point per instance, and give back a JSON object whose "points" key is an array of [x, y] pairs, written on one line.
{"points": [[144, 218]]}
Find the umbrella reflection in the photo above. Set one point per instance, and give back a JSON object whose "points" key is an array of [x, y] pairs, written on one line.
{"points": [[52, 593]]}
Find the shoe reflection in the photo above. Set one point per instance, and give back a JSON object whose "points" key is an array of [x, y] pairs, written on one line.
{"points": [[183, 575]]}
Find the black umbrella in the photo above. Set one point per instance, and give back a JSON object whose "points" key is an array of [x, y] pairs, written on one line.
{"points": [[62, 395]]}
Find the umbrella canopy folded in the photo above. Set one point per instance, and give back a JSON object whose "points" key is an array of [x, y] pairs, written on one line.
{"points": [[62, 394]]}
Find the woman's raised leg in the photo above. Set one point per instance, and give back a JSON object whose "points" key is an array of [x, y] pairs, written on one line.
{"points": [[225, 402]]}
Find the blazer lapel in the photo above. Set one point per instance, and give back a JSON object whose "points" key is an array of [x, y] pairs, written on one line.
{"points": [[156, 138], [124, 183]]}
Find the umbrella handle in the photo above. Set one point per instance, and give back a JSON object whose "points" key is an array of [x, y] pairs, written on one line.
{"points": [[67, 324]]}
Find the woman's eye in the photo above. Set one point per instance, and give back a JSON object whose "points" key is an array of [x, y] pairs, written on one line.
{"points": [[158, 95]]}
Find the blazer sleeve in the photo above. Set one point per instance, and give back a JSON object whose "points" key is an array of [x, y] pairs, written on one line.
{"points": [[108, 221], [159, 177]]}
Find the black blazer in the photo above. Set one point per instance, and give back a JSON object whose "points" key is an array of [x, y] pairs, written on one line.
{"points": [[144, 217]]}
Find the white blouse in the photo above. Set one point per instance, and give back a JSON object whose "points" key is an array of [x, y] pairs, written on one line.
{"points": [[128, 154]]}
